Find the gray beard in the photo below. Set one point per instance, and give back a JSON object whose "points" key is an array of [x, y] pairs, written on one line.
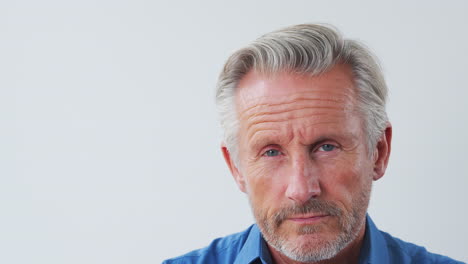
{"points": [[349, 224]]}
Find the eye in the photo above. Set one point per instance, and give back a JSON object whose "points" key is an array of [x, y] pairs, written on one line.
{"points": [[327, 147], [272, 153]]}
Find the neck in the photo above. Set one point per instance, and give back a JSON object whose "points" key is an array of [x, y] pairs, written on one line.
{"points": [[349, 255]]}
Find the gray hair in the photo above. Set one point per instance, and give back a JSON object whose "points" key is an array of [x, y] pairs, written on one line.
{"points": [[308, 49]]}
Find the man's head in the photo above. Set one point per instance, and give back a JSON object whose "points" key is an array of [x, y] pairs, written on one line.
{"points": [[306, 132]]}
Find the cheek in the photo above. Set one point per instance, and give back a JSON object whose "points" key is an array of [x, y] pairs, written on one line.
{"points": [[342, 179], [265, 185]]}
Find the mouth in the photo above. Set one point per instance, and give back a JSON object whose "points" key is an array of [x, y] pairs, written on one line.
{"points": [[308, 219]]}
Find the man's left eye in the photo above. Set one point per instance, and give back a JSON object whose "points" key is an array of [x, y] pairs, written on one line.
{"points": [[272, 153], [327, 147]]}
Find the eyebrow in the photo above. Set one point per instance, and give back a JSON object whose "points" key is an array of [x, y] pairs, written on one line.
{"points": [[274, 140], [261, 141]]}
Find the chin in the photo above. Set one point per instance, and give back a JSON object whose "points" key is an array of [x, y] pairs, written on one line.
{"points": [[310, 243], [312, 247]]}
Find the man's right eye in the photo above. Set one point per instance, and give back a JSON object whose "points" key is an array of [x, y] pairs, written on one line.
{"points": [[272, 153]]}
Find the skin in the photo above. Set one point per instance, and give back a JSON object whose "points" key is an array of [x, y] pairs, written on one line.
{"points": [[301, 139]]}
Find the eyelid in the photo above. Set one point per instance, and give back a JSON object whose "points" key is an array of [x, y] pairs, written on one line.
{"points": [[270, 147], [318, 145]]}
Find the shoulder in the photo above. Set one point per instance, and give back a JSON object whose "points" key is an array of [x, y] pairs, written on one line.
{"points": [[220, 250], [404, 252]]}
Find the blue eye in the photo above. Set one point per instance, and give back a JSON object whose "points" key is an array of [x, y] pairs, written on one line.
{"points": [[272, 153], [327, 147]]}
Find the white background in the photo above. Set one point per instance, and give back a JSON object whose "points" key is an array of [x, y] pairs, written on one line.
{"points": [[109, 140]]}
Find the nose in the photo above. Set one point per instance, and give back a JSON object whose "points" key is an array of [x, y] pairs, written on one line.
{"points": [[303, 182]]}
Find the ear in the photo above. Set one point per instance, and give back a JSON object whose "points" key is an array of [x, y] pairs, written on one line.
{"points": [[234, 170], [382, 152]]}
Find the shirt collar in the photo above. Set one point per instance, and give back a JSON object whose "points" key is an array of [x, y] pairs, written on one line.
{"points": [[254, 249], [374, 247]]}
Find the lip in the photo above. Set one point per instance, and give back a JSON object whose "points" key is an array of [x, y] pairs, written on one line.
{"points": [[307, 219]]}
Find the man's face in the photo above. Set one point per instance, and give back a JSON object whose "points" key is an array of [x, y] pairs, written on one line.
{"points": [[303, 161]]}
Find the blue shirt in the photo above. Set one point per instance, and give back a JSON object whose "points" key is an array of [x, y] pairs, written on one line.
{"points": [[249, 247]]}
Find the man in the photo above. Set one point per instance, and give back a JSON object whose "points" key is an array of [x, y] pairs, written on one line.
{"points": [[306, 134]]}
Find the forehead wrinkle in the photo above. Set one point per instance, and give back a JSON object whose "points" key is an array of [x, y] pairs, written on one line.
{"points": [[254, 123], [296, 104], [260, 127], [262, 117], [335, 98], [265, 120]]}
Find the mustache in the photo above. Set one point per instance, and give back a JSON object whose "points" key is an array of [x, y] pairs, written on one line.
{"points": [[311, 206]]}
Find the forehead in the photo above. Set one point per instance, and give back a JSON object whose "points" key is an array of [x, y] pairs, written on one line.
{"points": [[297, 106], [259, 92]]}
